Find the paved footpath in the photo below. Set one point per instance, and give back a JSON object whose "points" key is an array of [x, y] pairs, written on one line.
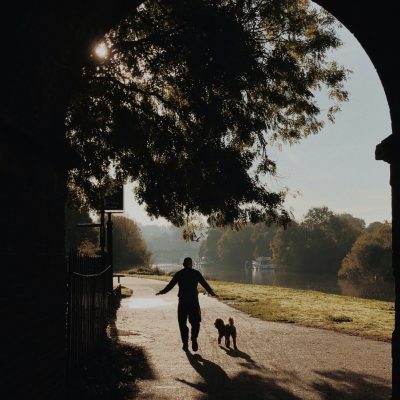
{"points": [[274, 361]]}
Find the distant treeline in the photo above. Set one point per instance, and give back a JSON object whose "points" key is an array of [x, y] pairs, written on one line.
{"points": [[323, 242], [167, 245]]}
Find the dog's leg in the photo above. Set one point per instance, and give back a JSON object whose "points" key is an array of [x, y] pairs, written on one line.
{"points": [[234, 342], [219, 338], [227, 342]]}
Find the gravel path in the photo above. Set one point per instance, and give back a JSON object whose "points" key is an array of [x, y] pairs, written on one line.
{"points": [[274, 361]]}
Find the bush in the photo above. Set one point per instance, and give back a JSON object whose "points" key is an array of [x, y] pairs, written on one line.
{"points": [[370, 257], [145, 270]]}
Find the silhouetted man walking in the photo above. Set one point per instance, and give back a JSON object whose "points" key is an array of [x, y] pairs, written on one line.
{"points": [[188, 307]]}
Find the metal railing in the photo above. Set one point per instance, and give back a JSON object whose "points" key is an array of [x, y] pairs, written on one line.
{"points": [[90, 303]]}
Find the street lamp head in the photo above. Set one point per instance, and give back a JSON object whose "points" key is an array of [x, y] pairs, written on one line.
{"points": [[102, 51]]}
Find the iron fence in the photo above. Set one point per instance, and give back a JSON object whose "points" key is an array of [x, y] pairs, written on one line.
{"points": [[90, 305]]}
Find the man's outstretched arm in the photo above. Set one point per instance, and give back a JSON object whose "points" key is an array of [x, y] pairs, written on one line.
{"points": [[206, 286], [170, 285]]}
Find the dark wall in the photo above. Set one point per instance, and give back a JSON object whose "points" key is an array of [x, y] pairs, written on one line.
{"points": [[44, 45], [33, 272], [375, 25]]}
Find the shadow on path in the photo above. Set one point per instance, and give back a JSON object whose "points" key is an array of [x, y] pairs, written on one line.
{"points": [[332, 385], [348, 385], [217, 385], [248, 361]]}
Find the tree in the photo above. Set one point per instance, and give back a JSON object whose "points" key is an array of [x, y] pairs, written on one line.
{"points": [[191, 96], [288, 246], [231, 247], [370, 256], [357, 223], [319, 243], [261, 238], [234, 248], [373, 225], [317, 218], [209, 246], [129, 247]]}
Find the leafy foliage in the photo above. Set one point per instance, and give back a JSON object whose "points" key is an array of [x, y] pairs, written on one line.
{"points": [[192, 95], [89, 248], [129, 247], [209, 246], [233, 248], [370, 256], [318, 243]]}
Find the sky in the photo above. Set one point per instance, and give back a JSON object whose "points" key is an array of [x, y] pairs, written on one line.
{"points": [[337, 167]]}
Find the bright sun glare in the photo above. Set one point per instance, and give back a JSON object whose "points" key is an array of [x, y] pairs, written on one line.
{"points": [[102, 50]]}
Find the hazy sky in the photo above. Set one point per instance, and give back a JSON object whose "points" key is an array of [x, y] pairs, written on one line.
{"points": [[337, 167]]}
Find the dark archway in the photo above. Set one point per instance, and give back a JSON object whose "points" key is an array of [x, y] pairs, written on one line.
{"points": [[376, 30], [43, 47]]}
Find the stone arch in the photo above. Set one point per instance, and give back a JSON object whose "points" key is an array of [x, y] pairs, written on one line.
{"points": [[375, 27], [63, 31]]}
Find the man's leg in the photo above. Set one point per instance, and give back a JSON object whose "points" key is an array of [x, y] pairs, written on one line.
{"points": [[182, 317], [195, 319]]}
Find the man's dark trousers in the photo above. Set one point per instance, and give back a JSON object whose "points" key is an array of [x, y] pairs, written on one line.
{"points": [[189, 309]]}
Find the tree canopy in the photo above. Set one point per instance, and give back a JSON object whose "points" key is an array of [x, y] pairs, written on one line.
{"points": [[192, 95], [129, 247], [234, 248], [318, 243], [371, 255], [322, 243]]}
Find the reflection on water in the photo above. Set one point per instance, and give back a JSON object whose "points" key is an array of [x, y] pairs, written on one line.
{"points": [[376, 290], [295, 280]]}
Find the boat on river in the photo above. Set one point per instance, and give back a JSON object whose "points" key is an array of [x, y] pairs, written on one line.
{"points": [[260, 263], [204, 262]]}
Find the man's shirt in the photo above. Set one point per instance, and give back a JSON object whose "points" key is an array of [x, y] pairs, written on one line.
{"points": [[187, 280]]}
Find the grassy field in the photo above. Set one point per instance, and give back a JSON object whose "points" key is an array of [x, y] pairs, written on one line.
{"points": [[362, 317]]}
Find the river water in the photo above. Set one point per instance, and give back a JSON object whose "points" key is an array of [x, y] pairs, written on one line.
{"points": [[283, 278]]}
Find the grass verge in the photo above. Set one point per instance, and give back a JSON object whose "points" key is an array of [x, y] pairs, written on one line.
{"points": [[352, 315]]}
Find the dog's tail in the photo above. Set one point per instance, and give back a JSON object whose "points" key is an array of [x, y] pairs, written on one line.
{"points": [[231, 322]]}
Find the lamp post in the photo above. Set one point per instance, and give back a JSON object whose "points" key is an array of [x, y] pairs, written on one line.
{"points": [[113, 203], [110, 252], [102, 230]]}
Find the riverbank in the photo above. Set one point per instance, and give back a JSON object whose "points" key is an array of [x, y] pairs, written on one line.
{"points": [[362, 317]]}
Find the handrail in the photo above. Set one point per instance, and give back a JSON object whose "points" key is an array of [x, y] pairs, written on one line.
{"points": [[91, 275]]}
